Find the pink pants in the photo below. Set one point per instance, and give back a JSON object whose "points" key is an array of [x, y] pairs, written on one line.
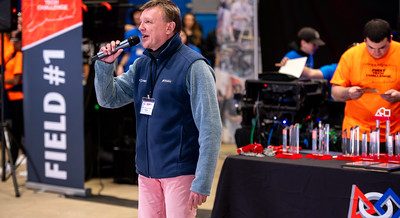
{"points": [[169, 197]]}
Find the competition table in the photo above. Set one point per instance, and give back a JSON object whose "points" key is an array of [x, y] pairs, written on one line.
{"points": [[269, 187]]}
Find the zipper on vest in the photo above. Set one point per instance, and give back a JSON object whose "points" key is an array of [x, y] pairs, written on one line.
{"points": [[147, 121], [147, 148]]}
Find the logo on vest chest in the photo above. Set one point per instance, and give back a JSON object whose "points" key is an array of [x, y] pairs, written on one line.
{"points": [[142, 80], [166, 81]]}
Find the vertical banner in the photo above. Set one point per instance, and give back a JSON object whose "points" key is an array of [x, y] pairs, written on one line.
{"points": [[53, 95], [238, 58]]}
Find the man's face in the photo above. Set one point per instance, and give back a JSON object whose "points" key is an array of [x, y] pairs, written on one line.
{"points": [[155, 30], [377, 50], [308, 47], [189, 21]]}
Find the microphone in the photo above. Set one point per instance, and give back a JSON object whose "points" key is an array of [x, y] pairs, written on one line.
{"points": [[131, 41]]}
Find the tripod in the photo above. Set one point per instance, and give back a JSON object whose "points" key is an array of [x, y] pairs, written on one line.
{"points": [[6, 136], [7, 147], [3, 150]]}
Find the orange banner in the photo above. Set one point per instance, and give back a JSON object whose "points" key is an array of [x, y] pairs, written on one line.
{"points": [[42, 18]]}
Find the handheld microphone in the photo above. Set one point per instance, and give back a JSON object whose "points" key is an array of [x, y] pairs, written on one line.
{"points": [[131, 41]]}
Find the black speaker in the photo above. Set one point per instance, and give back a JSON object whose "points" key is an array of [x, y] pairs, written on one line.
{"points": [[5, 16]]}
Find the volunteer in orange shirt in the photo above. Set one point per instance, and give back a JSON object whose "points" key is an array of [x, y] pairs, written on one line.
{"points": [[368, 79], [8, 47], [13, 106]]}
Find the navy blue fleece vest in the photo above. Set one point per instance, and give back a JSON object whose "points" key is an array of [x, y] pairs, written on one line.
{"points": [[167, 141]]}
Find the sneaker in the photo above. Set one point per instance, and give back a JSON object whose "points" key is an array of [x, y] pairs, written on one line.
{"points": [[8, 169], [20, 160], [23, 173]]}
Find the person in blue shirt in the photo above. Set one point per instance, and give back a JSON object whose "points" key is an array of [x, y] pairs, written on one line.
{"points": [[308, 42], [131, 53], [324, 72], [184, 39]]}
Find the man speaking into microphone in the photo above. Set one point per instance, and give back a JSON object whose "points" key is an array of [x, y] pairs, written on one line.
{"points": [[177, 114]]}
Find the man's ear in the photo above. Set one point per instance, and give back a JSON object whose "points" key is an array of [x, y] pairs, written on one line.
{"points": [[171, 27]]}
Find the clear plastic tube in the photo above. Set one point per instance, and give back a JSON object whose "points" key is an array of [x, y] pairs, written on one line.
{"points": [[326, 140], [372, 141], [290, 139], [320, 140], [397, 144], [389, 143], [377, 142], [284, 139], [387, 133], [297, 132], [314, 140], [364, 145], [357, 140], [345, 149], [352, 142]]}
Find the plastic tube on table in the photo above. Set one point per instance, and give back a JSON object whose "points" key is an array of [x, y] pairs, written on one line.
{"points": [[352, 141], [345, 149], [326, 144], [389, 143], [290, 139], [320, 139], [284, 139], [397, 144], [377, 142], [364, 145], [357, 140], [372, 142], [297, 133], [387, 133], [378, 137], [314, 140]]}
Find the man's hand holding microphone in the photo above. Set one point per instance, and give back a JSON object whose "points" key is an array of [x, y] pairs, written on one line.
{"points": [[112, 50]]}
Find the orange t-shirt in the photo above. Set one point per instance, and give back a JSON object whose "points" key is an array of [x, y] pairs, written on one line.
{"points": [[13, 68], [357, 68]]}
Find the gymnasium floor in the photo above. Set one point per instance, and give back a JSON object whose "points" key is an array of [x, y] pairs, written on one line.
{"points": [[108, 199]]}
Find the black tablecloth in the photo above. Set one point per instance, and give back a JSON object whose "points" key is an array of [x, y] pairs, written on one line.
{"points": [[278, 188]]}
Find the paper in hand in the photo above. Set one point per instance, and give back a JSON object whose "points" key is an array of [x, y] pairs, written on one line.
{"points": [[294, 67], [369, 90]]}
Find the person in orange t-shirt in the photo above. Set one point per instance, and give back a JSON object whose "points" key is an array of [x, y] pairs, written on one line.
{"points": [[368, 80], [8, 47], [13, 102]]}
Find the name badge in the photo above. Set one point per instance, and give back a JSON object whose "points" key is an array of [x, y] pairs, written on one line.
{"points": [[147, 106]]}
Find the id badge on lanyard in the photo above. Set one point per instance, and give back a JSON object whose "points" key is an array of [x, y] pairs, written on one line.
{"points": [[147, 106]]}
